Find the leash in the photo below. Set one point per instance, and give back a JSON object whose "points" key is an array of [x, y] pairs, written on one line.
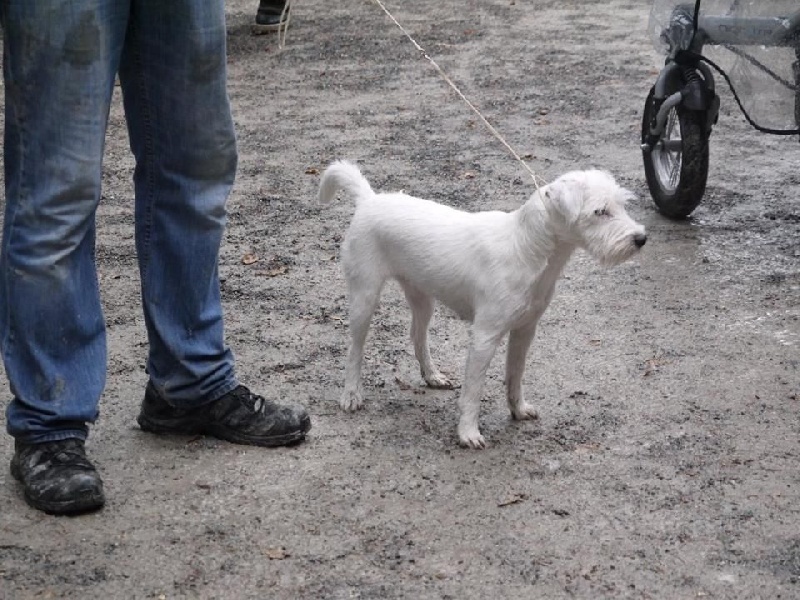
{"points": [[489, 126], [283, 25]]}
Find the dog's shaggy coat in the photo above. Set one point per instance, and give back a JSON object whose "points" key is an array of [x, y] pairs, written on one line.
{"points": [[496, 270]]}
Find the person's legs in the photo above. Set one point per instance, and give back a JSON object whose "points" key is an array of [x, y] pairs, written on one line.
{"points": [[59, 65], [181, 131], [173, 75]]}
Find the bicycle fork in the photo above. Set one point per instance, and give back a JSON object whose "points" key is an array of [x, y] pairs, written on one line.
{"points": [[694, 89]]}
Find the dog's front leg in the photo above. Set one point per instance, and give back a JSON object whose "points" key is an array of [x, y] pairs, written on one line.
{"points": [[519, 341], [484, 345]]}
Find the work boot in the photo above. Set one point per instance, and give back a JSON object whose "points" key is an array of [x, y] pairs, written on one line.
{"points": [[239, 416], [268, 16], [57, 477]]}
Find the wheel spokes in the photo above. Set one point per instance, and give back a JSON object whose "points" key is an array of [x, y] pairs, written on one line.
{"points": [[668, 158]]}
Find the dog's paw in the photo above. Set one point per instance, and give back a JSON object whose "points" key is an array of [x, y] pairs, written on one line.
{"points": [[472, 439], [524, 412], [351, 400], [439, 381]]}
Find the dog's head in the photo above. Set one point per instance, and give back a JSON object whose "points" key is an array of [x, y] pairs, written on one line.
{"points": [[589, 207]]}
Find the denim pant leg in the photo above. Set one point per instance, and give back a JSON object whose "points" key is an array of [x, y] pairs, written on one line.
{"points": [[173, 76], [59, 63]]}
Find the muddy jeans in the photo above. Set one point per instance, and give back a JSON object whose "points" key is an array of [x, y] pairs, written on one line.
{"points": [[60, 62]]}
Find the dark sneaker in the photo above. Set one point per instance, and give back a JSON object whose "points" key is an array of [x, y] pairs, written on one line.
{"points": [[57, 477], [239, 416], [268, 16]]}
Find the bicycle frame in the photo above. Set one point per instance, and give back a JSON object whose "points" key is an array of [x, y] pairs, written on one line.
{"points": [[760, 31], [686, 80]]}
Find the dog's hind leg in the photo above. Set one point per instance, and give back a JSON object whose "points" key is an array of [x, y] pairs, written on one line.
{"points": [[363, 299], [519, 341], [421, 312], [484, 345]]}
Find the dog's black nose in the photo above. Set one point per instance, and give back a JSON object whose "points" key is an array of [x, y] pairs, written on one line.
{"points": [[640, 240]]}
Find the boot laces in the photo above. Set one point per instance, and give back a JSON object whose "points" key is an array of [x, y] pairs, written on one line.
{"points": [[254, 402], [69, 451]]}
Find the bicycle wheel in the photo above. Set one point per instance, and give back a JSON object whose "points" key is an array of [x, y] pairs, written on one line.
{"points": [[676, 167]]}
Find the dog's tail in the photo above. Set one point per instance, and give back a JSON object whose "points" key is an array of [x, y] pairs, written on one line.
{"points": [[343, 175]]}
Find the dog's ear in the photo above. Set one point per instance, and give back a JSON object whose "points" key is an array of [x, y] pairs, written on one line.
{"points": [[563, 196]]}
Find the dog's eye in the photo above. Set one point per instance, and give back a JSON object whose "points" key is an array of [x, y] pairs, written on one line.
{"points": [[601, 212]]}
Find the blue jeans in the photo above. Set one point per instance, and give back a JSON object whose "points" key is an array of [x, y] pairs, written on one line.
{"points": [[60, 62]]}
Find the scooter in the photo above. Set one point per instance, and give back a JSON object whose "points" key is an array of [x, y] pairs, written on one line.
{"points": [[761, 41]]}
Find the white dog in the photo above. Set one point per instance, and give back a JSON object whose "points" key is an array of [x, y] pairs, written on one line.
{"points": [[495, 269]]}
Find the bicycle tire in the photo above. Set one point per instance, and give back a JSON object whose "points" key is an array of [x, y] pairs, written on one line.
{"points": [[676, 169]]}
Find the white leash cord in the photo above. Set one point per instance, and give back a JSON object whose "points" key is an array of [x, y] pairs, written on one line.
{"points": [[474, 109]]}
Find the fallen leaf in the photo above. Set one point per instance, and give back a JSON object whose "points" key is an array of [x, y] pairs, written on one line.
{"points": [[312, 171], [513, 499], [249, 259], [652, 365], [469, 175], [275, 272], [587, 447], [402, 384], [276, 553]]}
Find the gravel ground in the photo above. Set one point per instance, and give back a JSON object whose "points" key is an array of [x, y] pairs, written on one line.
{"points": [[665, 460]]}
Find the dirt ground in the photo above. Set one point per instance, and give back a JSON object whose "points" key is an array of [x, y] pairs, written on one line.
{"points": [[665, 463]]}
